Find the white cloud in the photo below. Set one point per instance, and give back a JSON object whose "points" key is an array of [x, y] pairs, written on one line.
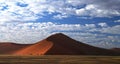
{"points": [[30, 10], [103, 24], [111, 30], [117, 21], [81, 12], [95, 10], [60, 16], [90, 25]]}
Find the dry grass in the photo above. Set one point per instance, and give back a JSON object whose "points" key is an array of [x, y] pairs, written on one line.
{"points": [[59, 59]]}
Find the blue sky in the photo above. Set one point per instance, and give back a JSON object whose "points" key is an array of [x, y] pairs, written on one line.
{"points": [[95, 22]]}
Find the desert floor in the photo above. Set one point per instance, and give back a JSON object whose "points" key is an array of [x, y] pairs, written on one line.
{"points": [[59, 59]]}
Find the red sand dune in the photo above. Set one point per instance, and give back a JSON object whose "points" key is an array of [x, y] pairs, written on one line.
{"points": [[60, 44], [40, 48], [116, 49], [8, 47]]}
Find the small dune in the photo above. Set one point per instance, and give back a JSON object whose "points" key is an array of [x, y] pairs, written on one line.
{"points": [[9, 47]]}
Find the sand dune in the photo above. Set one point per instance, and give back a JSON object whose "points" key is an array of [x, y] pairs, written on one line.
{"points": [[9, 47], [67, 46], [57, 44], [40, 48], [116, 49]]}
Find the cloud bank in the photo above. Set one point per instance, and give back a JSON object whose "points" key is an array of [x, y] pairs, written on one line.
{"points": [[26, 33], [31, 10]]}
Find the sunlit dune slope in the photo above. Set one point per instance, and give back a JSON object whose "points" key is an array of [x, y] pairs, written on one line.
{"points": [[40, 48]]}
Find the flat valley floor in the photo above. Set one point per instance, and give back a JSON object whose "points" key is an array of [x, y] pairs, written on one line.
{"points": [[59, 59]]}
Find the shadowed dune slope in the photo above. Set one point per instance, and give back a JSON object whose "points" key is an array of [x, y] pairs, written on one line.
{"points": [[8, 47], [60, 44], [116, 49], [67, 46]]}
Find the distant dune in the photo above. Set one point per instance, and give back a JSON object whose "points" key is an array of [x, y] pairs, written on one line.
{"points": [[57, 44]]}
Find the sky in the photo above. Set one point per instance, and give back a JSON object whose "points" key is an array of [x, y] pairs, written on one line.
{"points": [[94, 22]]}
